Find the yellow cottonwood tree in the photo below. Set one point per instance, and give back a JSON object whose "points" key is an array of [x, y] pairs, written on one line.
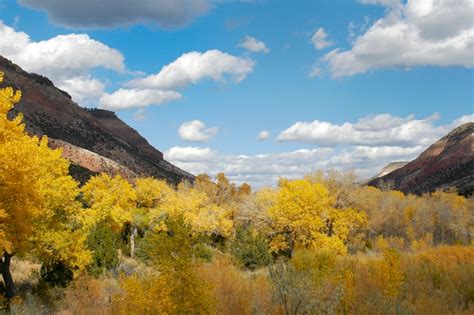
{"points": [[197, 210], [150, 192], [303, 214], [38, 211], [108, 199]]}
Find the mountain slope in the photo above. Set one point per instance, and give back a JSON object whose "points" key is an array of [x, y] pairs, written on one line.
{"points": [[449, 162], [103, 141], [387, 169]]}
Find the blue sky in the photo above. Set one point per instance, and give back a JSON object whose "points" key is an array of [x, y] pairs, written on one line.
{"points": [[390, 77]]}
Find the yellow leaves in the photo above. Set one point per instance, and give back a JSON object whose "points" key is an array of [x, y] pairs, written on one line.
{"points": [[150, 192], [151, 295], [109, 199], [300, 207], [196, 209], [305, 210], [422, 243], [328, 243], [278, 243], [37, 195], [389, 274]]}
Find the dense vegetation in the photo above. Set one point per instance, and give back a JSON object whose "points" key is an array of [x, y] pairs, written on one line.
{"points": [[320, 244]]}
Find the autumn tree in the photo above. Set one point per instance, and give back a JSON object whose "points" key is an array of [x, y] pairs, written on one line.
{"points": [[222, 191], [307, 284], [143, 295], [304, 214], [197, 210], [108, 199], [39, 213], [174, 252], [150, 193]]}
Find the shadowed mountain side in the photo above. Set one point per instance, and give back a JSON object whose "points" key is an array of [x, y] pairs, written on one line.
{"points": [[117, 147], [449, 162]]}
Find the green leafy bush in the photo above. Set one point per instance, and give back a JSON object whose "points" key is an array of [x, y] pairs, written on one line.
{"points": [[103, 243], [250, 249]]}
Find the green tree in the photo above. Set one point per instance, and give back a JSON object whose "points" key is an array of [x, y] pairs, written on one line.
{"points": [[104, 243], [250, 248]]}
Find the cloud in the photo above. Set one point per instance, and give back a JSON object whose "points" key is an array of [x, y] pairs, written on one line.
{"points": [[83, 89], [65, 59], [263, 135], [187, 69], [69, 59], [61, 57], [194, 66], [377, 130], [265, 169], [462, 120], [116, 13], [196, 131], [418, 33], [129, 98], [387, 3], [252, 44], [139, 115], [189, 154], [315, 72], [319, 39]]}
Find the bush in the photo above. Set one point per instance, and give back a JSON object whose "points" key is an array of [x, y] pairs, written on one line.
{"points": [[250, 249], [56, 273], [103, 242], [174, 254]]}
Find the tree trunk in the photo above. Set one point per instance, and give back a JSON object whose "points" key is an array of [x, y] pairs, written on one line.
{"points": [[133, 235], [10, 289]]}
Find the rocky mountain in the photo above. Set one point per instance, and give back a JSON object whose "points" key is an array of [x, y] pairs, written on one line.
{"points": [[387, 169], [94, 140], [449, 162]]}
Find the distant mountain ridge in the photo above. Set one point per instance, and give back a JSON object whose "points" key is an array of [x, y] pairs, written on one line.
{"points": [[449, 162], [387, 169], [94, 140]]}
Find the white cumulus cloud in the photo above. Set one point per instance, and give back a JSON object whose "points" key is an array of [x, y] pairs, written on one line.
{"points": [[194, 66], [265, 169], [129, 98], [263, 135], [68, 60], [252, 44], [61, 57], [196, 131], [382, 129], [65, 59], [319, 39], [83, 89], [366, 159], [189, 154], [415, 33]]}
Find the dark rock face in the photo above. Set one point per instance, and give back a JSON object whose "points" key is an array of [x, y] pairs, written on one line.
{"points": [[447, 163], [50, 111]]}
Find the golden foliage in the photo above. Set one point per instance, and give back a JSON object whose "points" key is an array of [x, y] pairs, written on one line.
{"points": [[150, 295], [305, 212], [108, 199], [38, 209]]}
